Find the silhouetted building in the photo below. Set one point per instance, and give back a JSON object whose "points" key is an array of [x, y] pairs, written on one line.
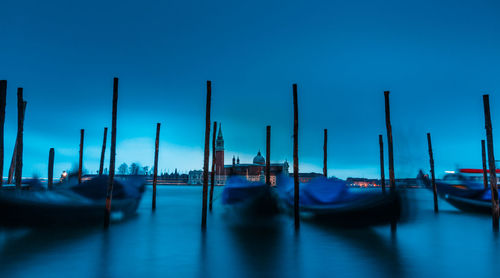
{"points": [[254, 171], [219, 153], [195, 177], [307, 177]]}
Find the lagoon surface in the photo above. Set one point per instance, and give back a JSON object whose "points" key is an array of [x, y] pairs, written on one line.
{"points": [[169, 243]]}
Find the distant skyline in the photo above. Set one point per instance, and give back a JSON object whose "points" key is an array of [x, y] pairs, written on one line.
{"points": [[436, 57]]}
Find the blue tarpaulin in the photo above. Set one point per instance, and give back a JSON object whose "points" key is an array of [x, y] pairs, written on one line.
{"points": [[319, 191]]}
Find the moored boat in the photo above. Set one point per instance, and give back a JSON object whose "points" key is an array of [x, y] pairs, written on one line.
{"points": [[81, 204], [330, 201], [463, 189], [245, 199]]}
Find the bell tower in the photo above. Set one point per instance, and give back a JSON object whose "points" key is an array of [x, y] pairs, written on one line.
{"points": [[219, 153]]}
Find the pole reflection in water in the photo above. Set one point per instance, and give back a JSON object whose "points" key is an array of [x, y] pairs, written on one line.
{"points": [[170, 244]]}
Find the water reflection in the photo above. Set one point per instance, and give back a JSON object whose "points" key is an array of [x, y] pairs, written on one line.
{"points": [[103, 256], [383, 252], [169, 243], [258, 250]]}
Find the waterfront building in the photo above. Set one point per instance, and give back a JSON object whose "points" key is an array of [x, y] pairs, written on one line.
{"points": [[254, 171]]}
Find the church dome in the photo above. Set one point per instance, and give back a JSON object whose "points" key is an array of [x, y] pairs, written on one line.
{"points": [[259, 159]]}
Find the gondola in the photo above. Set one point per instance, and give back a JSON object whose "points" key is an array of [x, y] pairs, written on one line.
{"points": [[463, 189], [68, 205], [331, 202], [248, 200]]}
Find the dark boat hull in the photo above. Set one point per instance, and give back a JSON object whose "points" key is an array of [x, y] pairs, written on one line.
{"points": [[83, 204], [367, 210], [469, 205], [463, 198], [250, 202]]}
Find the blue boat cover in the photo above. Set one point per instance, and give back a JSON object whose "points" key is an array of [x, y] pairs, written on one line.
{"points": [[486, 195], [319, 191]]}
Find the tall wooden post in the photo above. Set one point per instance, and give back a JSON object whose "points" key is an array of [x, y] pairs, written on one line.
{"points": [[268, 155], [485, 171], [433, 176], [19, 151], [392, 179], [14, 153], [206, 156], [50, 180], [103, 151], [382, 171], [80, 160], [389, 141], [296, 158], [491, 162], [325, 152], [3, 101], [155, 171], [212, 175], [109, 192]]}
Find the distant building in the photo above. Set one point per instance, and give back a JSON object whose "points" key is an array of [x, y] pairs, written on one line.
{"points": [[254, 171], [363, 182], [219, 153], [195, 177], [173, 178], [307, 177]]}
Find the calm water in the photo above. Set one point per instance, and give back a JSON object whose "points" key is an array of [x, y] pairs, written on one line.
{"points": [[169, 243]]}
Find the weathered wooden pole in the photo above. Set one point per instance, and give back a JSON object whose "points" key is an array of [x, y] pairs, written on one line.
{"points": [[206, 156], [109, 193], [80, 160], [19, 150], [392, 179], [50, 180], [485, 169], [155, 171], [433, 175], [382, 171], [325, 152], [296, 158], [10, 177], [268, 155], [14, 153], [212, 175], [3, 101], [103, 151], [389, 142], [491, 162]]}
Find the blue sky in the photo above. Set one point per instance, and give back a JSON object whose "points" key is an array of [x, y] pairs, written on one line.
{"points": [[436, 57]]}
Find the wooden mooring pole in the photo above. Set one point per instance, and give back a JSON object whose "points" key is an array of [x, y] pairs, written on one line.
{"points": [[50, 180], [268, 155], [382, 171], [325, 153], [155, 170], [392, 179], [491, 162], [19, 150], [14, 153], [296, 158], [206, 157], [3, 101], [109, 192], [103, 151], [80, 159], [212, 175], [433, 175], [485, 167]]}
